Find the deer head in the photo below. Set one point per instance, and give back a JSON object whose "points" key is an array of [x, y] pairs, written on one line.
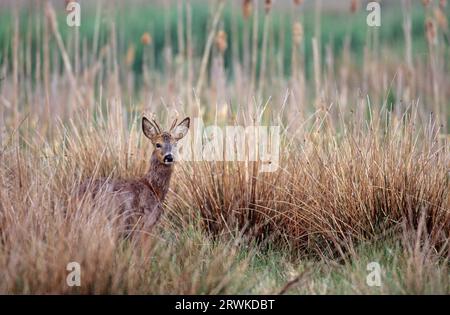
{"points": [[165, 142]]}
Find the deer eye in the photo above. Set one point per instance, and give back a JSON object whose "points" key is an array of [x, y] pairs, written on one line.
{"points": [[158, 145]]}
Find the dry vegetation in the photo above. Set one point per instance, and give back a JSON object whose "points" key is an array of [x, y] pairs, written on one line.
{"points": [[364, 161]]}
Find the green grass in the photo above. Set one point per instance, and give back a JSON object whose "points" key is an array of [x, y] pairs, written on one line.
{"points": [[268, 269], [274, 269]]}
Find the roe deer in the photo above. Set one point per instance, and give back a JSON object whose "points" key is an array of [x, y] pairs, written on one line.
{"points": [[141, 199]]}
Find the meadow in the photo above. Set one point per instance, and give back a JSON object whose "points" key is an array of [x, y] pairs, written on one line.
{"points": [[364, 163]]}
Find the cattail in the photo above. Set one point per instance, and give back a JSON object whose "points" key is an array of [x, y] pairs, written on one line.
{"points": [[354, 6], [221, 41], [66, 3], [430, 30], [223, 112], [246, 8], [129, 57], [267, 5], [146, 39], [441, 19], [426, 3], [298, 2], [443, 4], [297, 33]]}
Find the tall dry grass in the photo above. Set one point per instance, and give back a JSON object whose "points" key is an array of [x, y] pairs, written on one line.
{"points": [[333, 192], [354, 169], [43, 227], [337, 186]]}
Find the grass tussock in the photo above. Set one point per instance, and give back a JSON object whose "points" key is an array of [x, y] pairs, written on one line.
{"points": [[333, 189]]}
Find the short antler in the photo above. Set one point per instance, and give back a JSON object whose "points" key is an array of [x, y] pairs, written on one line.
{"points": [[174, 123], [155, 124]]}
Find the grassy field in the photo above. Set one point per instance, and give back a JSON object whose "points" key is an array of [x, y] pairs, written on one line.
{"points": [[364, 163]]}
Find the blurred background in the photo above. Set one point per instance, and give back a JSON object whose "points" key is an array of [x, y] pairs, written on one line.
{"points": [[319, 52]]}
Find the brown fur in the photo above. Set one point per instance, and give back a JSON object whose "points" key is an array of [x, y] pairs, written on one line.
{"points": [[140, 201]]}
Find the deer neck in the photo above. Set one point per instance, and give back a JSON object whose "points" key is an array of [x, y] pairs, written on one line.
{"points": [[158, 177]]}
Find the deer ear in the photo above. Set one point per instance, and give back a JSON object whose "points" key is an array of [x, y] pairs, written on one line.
{"points": [[148, 128], [181, 129]]}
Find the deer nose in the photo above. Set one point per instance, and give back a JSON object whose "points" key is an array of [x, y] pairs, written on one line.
{"points": [[168, 158]]}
